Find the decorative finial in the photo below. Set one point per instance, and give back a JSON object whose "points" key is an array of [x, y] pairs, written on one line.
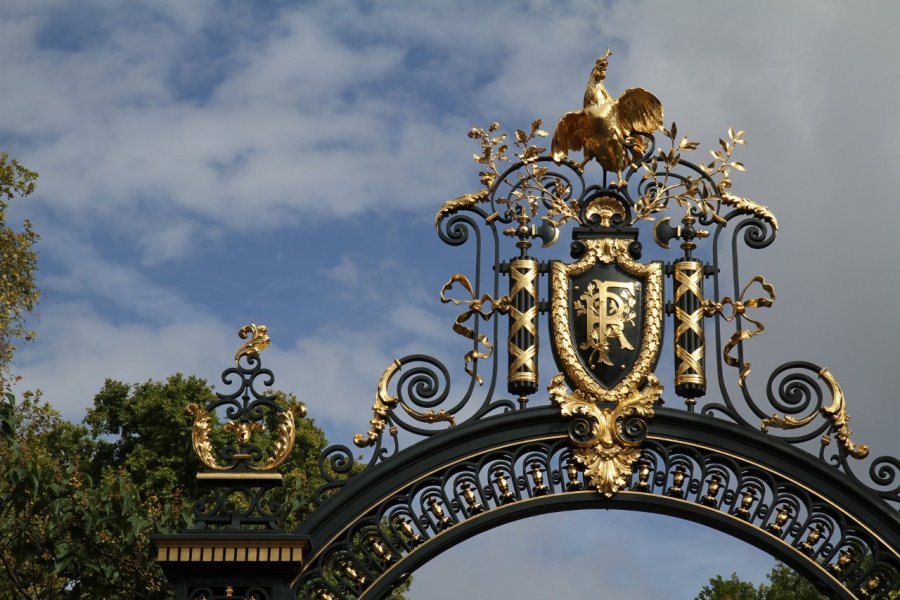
{"points": [[245, 409], [259, 341]]}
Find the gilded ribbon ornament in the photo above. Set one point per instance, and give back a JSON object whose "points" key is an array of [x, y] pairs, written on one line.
{"points": [[476, 306], [739, 308], [836, 413], [384, 402]]}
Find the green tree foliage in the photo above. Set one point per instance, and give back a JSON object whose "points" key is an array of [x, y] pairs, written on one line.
{"points": [[784, 584], [18, 263], [63, 533], [79, 502]]}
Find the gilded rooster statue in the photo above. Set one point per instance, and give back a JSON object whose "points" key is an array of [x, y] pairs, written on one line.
{"points": [[603, 129]]}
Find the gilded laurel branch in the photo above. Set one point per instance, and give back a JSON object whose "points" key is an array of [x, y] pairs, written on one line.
{"points": [[531, 189], [662, 185]]}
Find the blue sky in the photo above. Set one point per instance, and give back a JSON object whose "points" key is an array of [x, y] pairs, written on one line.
{"points": [[207, 164]]}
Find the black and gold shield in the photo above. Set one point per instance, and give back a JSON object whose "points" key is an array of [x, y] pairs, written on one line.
{"points": [[606, 319]]}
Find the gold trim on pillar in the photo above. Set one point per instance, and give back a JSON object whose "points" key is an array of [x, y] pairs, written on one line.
{"points": [[523, 274], [688, 276], [227, 551]]}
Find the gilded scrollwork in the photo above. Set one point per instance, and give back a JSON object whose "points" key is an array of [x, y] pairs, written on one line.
{"points": [[246, 421], [606, 251], [259, 341], [836, 412], [600, 442], [460, 202], [385, 402]]}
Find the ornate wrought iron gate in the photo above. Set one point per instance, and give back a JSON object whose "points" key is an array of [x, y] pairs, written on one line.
{"points": [[446, 466]]}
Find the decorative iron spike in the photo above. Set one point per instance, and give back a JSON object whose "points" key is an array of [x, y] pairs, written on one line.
{"points": [[413, 538], [506, 496], [574, 483], [845, 558], [808, 545], [438, 511], [354, 576], [676, 490], [380, 551], [781, 518], [471, 500]]}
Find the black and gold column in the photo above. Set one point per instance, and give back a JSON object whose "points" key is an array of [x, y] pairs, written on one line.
{"points": [[523, 336], [690, 375]]}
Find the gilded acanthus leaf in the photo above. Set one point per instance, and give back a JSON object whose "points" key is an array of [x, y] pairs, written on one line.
{"points": [[460, 202], [259, 341], [606, 453], [836, 412]]}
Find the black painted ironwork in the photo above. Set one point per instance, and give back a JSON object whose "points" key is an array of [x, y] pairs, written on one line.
{"points": [[237, 547], [446, 464]]}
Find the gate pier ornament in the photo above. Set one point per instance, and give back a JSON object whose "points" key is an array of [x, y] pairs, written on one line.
{"points": [[237, 541], [448, 463]]}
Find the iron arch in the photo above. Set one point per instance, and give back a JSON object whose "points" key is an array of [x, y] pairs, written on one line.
{"points": [[768, 493], [606, 440]]}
